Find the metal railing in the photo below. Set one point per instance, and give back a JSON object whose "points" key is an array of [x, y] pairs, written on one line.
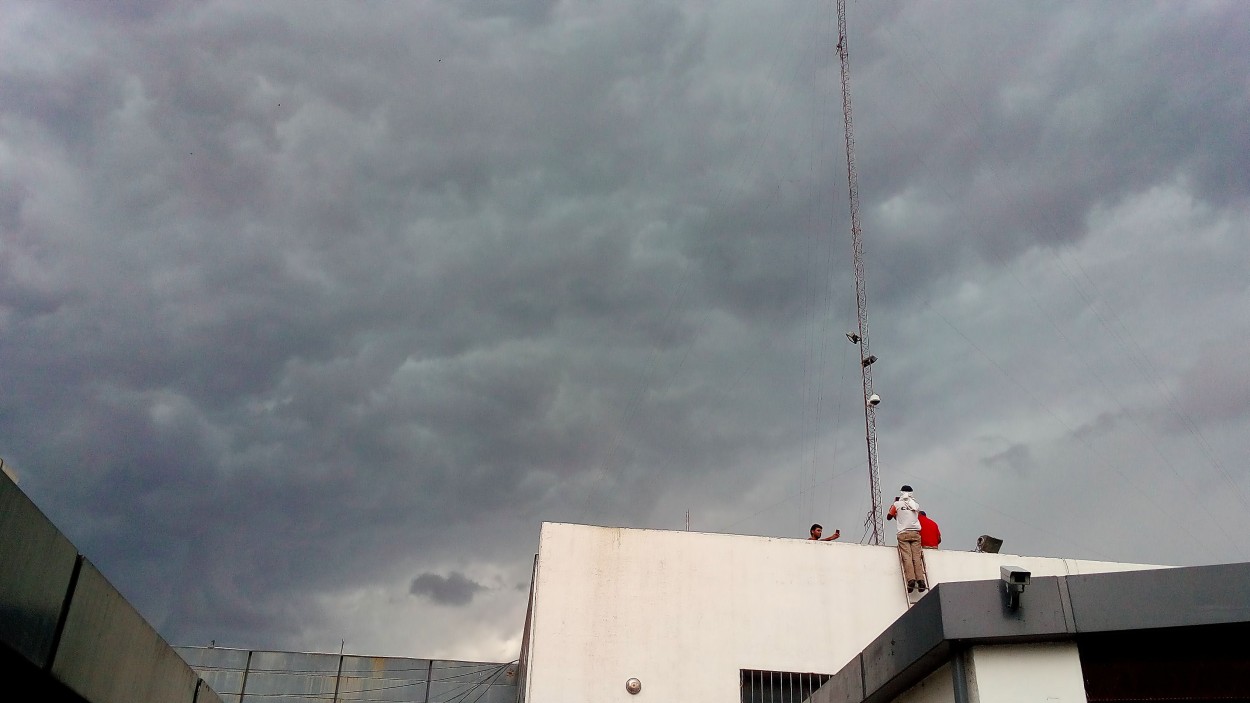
{"points": [[243, 676]]}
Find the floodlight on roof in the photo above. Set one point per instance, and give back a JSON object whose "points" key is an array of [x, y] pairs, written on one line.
{"points": [[988, 545]]}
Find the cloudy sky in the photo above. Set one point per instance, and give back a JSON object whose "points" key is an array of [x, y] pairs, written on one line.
{"points": [[311, 313]]}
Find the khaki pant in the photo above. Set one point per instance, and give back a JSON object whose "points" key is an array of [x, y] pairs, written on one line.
{"points": [[910, 554]]}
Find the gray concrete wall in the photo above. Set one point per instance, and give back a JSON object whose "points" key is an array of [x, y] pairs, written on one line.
{"points": [[63, 627], [36, 565]]}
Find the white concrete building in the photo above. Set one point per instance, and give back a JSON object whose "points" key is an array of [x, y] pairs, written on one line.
{"points": [[694, 616]]}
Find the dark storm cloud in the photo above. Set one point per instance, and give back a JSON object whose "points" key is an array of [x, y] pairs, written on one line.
{"points": [[1215, 390], [272, 272], [1015, 458], [1017, 133], [455, 589], [293, 302], [529, 12]]}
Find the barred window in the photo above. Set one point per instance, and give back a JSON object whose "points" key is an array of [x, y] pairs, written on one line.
{"points": [[779, 686]]}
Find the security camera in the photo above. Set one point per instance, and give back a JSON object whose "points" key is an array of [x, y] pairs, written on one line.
{"points": [[874, 400], [1014, 581], [1014, 575]]}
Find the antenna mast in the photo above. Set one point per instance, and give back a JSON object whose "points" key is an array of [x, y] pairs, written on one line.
{"points": [[866, 358]]}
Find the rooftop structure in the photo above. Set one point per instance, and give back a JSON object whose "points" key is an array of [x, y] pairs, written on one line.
{"points": [[619, 613], [1129, 636], [711, 617]]}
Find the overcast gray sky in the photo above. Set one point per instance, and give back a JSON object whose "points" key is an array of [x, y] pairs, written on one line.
{"points": [[310, 313]]}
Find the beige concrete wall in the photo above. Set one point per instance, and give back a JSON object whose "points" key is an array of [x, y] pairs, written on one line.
{"points": [[1025, 673], [937, 687], [685, 611]]}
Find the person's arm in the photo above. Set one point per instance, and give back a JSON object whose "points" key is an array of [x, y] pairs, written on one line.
{"points": [[893, 511], [836, 534]]}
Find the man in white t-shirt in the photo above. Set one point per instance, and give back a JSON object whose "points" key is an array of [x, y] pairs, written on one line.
{"points": [[906, 511]]}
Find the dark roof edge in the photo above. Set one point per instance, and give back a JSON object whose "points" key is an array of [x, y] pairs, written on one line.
{"points": [[959, 614]]}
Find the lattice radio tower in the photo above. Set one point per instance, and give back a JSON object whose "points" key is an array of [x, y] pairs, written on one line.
{"points": [[866, 358]]}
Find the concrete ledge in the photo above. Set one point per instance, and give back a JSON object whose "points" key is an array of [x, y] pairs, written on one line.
{"points": [[65, 633], [204, 694], [1193, 595], [955, 616], [109, 654], [38, 562]]}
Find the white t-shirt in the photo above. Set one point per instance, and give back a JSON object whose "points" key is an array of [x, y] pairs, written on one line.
{"points": [[907, 513]]}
